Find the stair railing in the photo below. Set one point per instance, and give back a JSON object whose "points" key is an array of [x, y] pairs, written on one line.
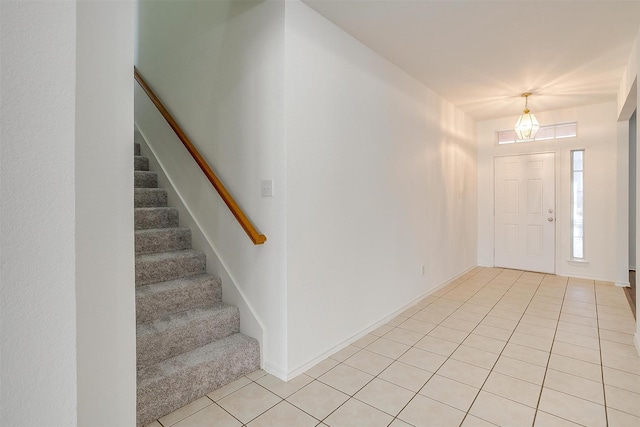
{"points": [[237, 212]]}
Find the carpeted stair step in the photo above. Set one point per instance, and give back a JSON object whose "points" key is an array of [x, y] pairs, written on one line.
{"points": [[136, 148], [182, 332], [159, 299], [162, 240], [145, 179], [140, 163], [160, 267], [161, 217], [171, 384], [149, 197], [187, 339]]}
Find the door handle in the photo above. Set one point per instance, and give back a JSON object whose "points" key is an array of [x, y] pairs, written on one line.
{"points": [[550, 219]]}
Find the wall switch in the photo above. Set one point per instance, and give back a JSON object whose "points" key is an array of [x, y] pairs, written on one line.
{"points": [[267, 187], [422, 270]]}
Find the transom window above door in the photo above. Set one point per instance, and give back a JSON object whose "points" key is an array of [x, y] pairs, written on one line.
{"points": [[557, 131]]}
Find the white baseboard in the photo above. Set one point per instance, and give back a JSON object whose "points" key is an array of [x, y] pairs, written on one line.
{"points": [[276, 371], [623, 284], [587, 277], [251, 324], [636, 341], [311, 363]]}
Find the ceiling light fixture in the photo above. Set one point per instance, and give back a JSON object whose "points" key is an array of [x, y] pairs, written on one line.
{"points": [[527, 124]]}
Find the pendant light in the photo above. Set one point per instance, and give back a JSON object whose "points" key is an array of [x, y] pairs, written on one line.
{"points": [[527, 124]]}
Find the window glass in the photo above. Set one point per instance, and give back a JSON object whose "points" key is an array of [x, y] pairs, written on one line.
{"points": [[577, 204], [557, 131]]}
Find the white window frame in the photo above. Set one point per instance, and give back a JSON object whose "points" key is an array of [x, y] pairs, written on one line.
{"points": [[574, 208], [545, 133]]}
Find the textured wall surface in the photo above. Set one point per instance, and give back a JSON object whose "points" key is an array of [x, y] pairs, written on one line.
{"points": [[381, 181], [229, 100], [67, 316], [105, 292], [37, 214]]}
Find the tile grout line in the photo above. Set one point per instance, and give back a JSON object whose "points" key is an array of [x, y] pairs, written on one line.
{"points": [[546, 369], [434, 373], [601, 368], [396, 359], [469, 333], [496, 362], [425, 335], [187, 416], [459, 344], [604, 389], [455, 308]]}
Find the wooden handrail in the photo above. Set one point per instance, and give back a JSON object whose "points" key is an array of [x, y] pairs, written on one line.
{"points": [[245, 223]]}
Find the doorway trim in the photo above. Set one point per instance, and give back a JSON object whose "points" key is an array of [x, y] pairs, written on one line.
{"points": [[556, 170]]}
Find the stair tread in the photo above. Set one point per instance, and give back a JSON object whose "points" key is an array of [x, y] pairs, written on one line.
{"points": [[176, 319], [162, 266], [185, 253], [145, 179], [155, 208], [140, 163], [155, 300], [211, 351], [145, 197], [162, 230], [172, 383], [155, 217], [183, 281], [188, 341], [150, 190], [154, 240], [177, 333]]}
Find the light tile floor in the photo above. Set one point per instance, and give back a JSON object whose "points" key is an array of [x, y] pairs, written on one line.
{"points": [[496, 347]]}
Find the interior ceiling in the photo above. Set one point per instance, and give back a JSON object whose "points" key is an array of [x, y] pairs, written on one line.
{"points": [[481, 55]]}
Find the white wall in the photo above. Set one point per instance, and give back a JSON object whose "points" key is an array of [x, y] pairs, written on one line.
{"points": [[381, 180], [219, 67], [622, 204], [632, 190], [636, 54], [628, 84], [374, 174], [67, 320], [105, 288], [37, 212], [598, 136], [628, 101]]}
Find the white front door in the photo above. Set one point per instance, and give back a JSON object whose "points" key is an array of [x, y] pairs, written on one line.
{"points": [[525, 212]]}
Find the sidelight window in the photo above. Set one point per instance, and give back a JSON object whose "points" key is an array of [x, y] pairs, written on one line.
{"points": [[577, 204]]}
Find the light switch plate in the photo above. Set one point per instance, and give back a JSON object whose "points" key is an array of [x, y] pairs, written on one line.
{"points": [[267, 187]]}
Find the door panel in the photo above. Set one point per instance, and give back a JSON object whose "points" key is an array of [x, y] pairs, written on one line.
{"points": [[534, 196], [525, 212]]}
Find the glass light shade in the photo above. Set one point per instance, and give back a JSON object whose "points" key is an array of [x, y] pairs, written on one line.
{"points": [[527, 126]]}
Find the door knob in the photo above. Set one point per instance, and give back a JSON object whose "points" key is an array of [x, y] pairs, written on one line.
{"points": [[550, 219]]}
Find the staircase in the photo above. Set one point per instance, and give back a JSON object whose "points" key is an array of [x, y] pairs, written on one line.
{"points": [[188, 341]]}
